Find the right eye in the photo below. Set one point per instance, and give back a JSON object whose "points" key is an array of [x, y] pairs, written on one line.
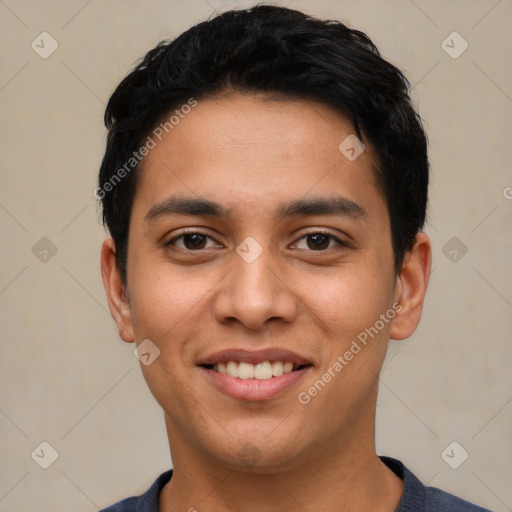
{"points": [[190, 241]]}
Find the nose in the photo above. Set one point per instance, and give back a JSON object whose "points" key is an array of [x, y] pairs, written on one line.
{"points": [[255, 295]]}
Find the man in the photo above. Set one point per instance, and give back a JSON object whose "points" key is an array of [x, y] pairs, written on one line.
{"points": [[265, 185]]}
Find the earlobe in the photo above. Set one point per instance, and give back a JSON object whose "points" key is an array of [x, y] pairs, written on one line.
{"points": [[411, 288], [116, 291]]}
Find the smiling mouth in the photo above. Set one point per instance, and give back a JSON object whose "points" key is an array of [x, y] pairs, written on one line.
{"points": [[260, 371]]}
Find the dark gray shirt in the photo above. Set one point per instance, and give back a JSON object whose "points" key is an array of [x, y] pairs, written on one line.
{"points": [[415, 497]]}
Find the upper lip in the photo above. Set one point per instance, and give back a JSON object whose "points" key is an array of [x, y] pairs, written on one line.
{"points": [[254, 356]]}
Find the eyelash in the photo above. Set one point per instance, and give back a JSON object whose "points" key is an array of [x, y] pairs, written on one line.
{"points": [[196, 232]]}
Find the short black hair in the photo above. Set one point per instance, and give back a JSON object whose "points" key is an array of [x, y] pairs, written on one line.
{"points": [[274, 50]]}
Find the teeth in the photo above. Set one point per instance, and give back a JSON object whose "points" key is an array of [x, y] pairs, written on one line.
{"points": [[277, 368], [232, 369], [262, 371], [245, 371]]}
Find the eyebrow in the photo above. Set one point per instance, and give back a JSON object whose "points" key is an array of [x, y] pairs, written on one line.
{"points": [[182, 205]]}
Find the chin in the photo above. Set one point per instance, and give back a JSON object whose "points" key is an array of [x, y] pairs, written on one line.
{"points": [[257, 454]]}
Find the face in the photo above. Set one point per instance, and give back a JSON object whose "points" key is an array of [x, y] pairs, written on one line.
{"points": [[257, 247]]}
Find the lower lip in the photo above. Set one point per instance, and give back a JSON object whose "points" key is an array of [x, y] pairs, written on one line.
{"points": [[254, 389]]}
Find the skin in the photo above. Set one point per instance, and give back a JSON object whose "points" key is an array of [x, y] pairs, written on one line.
{"points": [[250, 154]]}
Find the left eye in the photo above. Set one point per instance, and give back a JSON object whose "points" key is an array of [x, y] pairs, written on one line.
{"points": [[319, 241]]}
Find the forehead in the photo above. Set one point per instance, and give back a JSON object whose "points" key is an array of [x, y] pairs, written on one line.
{"points": [[248, 150]]}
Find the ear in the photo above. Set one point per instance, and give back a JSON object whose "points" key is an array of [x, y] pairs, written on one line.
{"points": [[411, 287], [116, 291]]}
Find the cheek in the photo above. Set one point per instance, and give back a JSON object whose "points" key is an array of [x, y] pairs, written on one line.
{"points": [[346, 301], [167, 309], [163, 299], [171, 307]]}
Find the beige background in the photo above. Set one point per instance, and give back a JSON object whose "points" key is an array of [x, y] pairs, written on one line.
{"points": [[69, 380]]}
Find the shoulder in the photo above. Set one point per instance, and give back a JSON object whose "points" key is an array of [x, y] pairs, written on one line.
{"points": [[147, 502], [436, 499], [126, 505], [416, 497]]}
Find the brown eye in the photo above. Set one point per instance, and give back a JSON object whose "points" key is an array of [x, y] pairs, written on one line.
{"points": [[319, 241], [192, 241]]}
